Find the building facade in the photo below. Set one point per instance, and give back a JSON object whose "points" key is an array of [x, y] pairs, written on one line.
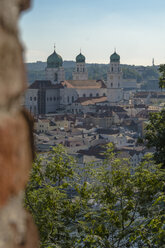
{"points": [[55, 93], [80, 72], [114, 80], [54, 70]]}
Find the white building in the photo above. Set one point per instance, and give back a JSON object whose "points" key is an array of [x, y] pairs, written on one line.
{"points": [[54, 70], [55, 93], [43, 97], [114, 80], [119, 140], [80, 72]]}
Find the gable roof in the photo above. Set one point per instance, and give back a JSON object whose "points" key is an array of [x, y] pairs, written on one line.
{"points": [[116, 109], [46, 84], [91, 100], [84, 84]]}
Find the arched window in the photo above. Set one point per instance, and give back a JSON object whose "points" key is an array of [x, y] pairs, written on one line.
{"points": [[97, 94], [90, 95], [54, 98], [104, 94], [118, 84], [72, 98], [111, 84], [55, 77], [84, 95]]}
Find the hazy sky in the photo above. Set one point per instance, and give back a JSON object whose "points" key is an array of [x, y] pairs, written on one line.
{"points": [[136, 28]]}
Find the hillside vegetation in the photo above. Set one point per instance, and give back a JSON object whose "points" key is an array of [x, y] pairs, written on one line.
{"points": [[146, 76]]}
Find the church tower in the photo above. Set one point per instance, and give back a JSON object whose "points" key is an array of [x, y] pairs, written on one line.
{"points": [[114, 80], [153, 62], [54, 70], [80, 72]]}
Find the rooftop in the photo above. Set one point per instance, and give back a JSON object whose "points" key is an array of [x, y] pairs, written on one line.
{"points": [[47, 84], [84, 84], [91, 100]]}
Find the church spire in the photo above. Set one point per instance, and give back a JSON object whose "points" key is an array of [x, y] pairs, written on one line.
{"points": [[153, 62]]}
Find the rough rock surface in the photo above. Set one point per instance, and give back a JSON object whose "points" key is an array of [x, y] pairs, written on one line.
{"points": [[17, 229]]}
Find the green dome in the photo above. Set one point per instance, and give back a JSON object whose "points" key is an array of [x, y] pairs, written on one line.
{"points": [[54, 60], [115, 57], [80, 58]]}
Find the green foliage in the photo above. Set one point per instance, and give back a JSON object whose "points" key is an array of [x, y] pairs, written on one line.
{"points": [[130, 73], [150, 73], [95, 71], [35, 75], [162, 78], [110, 205], [155, 135], [155, 129]]}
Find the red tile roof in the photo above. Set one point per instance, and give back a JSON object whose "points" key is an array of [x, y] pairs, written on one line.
{"points": [[91, 100], [84, 84]]}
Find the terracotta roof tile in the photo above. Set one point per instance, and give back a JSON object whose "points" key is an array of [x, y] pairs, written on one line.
{"points": [[91, 100], [84, 84]]}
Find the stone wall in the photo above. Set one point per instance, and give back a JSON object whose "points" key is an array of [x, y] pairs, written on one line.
{"points": [[16, 226]]}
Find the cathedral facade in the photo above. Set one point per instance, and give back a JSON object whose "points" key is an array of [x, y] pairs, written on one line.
{"points": [[55, 93]]}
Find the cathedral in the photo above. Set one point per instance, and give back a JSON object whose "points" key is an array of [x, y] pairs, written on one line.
{"points": [[55, 93]]}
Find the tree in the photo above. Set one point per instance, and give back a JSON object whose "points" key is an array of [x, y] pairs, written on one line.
{"points": [[47, 199], [155, 129], [131, 73], [162, 77], [110, 205], [155, 135]]}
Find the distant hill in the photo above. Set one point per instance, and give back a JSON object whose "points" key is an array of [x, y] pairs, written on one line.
{"points": [[146, 75], [40, 66]]}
